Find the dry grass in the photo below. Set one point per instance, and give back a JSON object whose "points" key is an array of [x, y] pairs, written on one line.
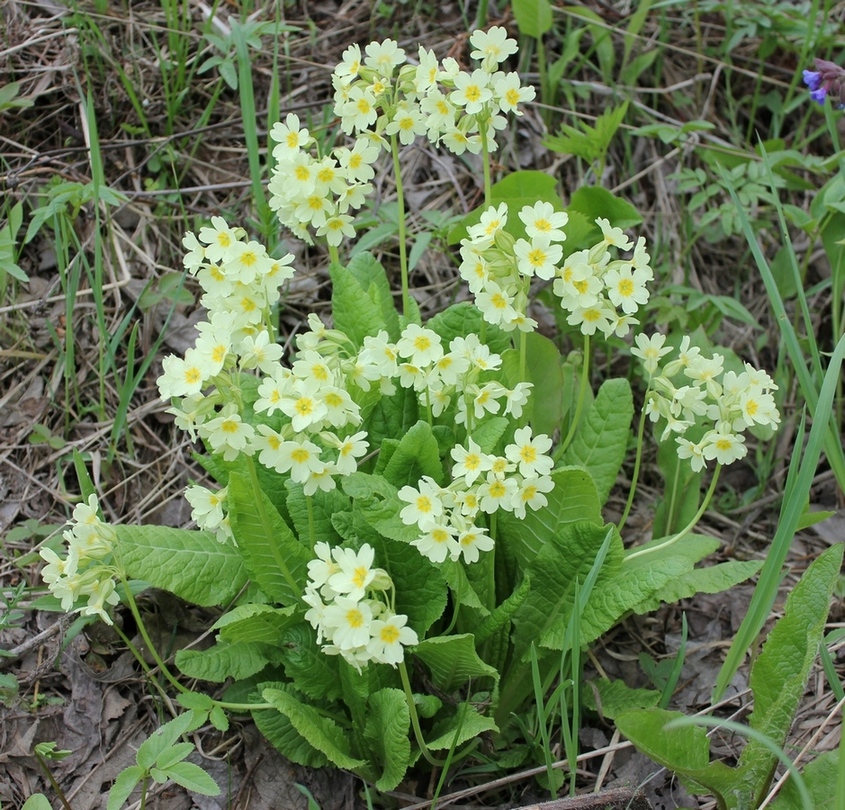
{"points": [[178, 163]]}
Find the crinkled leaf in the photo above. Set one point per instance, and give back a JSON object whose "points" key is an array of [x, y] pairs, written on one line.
{"points": [[566, 558], [323, 506], [609, 698], [456, 578], [193, 778], [237, 660], [256, 622], [638, 580], [386, 731], [354, 311], [488, 433], [460, 320], [820, 776], [377, 501], [281, 734], [276, 560], [421, 590], [371, 276], [453, 660], [780, 672], [601, 440], [417, 455], [573, 498], [314, 673], [683, 749], [466, 724], [501, 615], [714, 579], [190, 564], [543, 370], [320, 731]]}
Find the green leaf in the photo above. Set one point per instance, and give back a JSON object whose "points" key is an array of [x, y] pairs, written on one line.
{"points": [[501, 615], [164, 737], [281, 734], [237, 660], [421, 590], [713, 579], [684, 749], [610, 698], [355, 312], [573, 498], [466, 723], [565, 559], [323, 506], [193, 778], [276, 560], [460, 320], [175, 753], [820, 777], [636, 581], [453, 660], [594, 201], [314, 673], [464, 594], [533, 17], [377, 502], [780, 672], [371, 276], [120, 791], [256, 622], [601, 440], [417, 455], [190, 564], [386, 731], [320, 731], [517, 189]]}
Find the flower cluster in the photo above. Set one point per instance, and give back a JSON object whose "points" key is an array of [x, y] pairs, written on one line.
{"points": [[349, 607], [86, 570], [382, 93], [308, 191], [309, 411], [498, 268], [828, 77], [695, 390], [599, 291], [482, 483], [461, 374], [379, 96]]}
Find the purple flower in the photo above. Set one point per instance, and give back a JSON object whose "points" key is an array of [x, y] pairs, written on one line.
{"points": [[828, 77]]}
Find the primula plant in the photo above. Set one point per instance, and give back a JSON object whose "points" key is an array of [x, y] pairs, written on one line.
{"points": [[408, 517]]}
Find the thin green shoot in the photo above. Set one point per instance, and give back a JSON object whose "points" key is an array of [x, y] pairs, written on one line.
{"points": [[677, 666]]}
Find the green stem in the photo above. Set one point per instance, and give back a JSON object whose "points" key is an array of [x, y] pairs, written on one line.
{"points": [[485, 154], [400, 202], [334, 256], [687, 529], [415, 722], [636, 474], [53, 783], [142, 629], [582, 395]]}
